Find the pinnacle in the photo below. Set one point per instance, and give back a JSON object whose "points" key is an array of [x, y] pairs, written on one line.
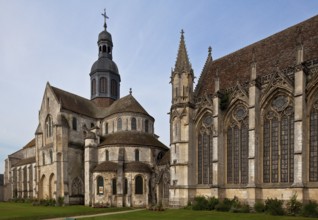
{"points": [[182, 63]]}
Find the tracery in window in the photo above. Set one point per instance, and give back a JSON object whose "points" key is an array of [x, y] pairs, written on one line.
{"points": [[313, 143], [205, 151], [278, 141], [125, 186], [237, 146]]}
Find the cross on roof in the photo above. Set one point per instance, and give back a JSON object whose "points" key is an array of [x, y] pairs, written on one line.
{"points": [[105, 17]]}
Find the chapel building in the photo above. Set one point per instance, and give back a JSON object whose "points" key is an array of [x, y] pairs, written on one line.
{"points": [[249, 128]]}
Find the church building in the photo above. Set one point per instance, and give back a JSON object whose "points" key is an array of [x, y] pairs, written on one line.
{"points": [[100, 151], [249, 128]]}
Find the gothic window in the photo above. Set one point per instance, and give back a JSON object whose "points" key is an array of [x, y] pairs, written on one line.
{"points": [[119, 124], [114, 186], [51, 156], [205, 151], [125, 186], [146, 126], [106, 128], [133, 124], [100, 185], [237, 146], [278, 141], [74, 124], [107, 155], [43, 158], [103, 85], [77, 187], [113, 88], [49, 126], [136, 155], [313, 143], [138, 185], [93, 87]]}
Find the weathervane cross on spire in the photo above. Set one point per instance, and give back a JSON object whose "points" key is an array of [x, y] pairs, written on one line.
{"points": [[105, 17]]}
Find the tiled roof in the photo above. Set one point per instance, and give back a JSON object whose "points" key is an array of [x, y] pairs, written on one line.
{"points": [[278, 50], [80, 105], [30, 144], [106, 166], [25, 161], [132, 138]]}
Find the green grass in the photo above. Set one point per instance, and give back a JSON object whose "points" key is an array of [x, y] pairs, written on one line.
{"points": [[23, 211], [182, 214]]}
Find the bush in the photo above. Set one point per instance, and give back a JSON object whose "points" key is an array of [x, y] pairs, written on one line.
{"points": [[310, 209], [259, 206], [240, 208], [200, 203], [225, 205], [293, 207], [274, 207], [212, 202]]}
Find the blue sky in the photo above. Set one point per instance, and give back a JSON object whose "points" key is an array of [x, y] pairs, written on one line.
{"points": [[56, 42]]}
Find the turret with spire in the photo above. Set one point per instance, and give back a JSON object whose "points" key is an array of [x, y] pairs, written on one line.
{"points": [[105, 78]]}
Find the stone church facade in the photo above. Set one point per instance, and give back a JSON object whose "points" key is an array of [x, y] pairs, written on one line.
{"points": [[99, 152], [250, 126]]}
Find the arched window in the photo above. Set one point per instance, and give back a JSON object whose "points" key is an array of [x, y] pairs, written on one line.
{"points": [[74, 124], [133, 124], [125, 186], [146, 126], [237, 147], [43, 158], [104, 48], [114, 186], [136, 155], [106, 128], [119, 124], [107, 155], [103, 85], [49, 126], [313, 143], [113, 88], [51, 156], [100, 185], [138, 185], [278, 141], [205, 151], [100, 48], [93, 87]]}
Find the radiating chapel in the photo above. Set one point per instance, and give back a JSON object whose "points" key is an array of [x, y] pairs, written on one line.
{"points": [[248, 129]]}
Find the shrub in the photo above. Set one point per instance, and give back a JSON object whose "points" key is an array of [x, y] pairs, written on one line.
{"points": [[310, 209], [293, 207], [60, 201], [259, 206], [274, 207], [225, 205], [212, 202], [200, 203]]}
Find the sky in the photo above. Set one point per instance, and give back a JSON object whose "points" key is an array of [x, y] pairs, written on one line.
{"points": [[55, 41]]}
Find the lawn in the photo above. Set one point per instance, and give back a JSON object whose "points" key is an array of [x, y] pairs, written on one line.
{"points": [[182, 214], [23, 211]]}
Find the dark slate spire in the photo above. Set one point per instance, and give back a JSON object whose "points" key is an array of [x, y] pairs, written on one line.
{"points": [[182, 63]]}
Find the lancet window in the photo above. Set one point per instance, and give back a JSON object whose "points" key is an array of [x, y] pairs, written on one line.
{"points": [[278, 141], [237, 146]]}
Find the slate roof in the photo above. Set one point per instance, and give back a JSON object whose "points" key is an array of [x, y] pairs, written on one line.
{"points": [[83, 106], [106, 166], [276, 50], [132, 138], [25, 161]]}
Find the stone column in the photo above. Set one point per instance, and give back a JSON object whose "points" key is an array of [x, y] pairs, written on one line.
{"points": [[253, 116], [300, 119], [120, 178], [216, 104]]}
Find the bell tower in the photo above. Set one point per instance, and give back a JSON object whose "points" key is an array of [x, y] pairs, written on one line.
{"points": [[105, 78], [181, 127]]}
